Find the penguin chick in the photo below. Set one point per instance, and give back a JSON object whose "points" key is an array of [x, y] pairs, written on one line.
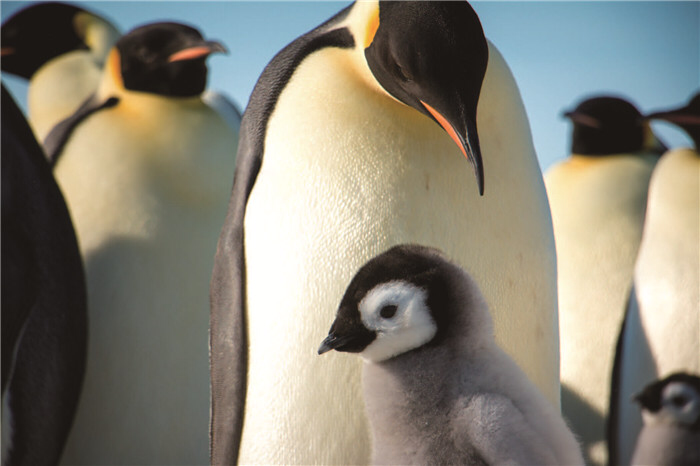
{"points": [[438, 390], [598, 197], [145, 167], [61, 49], [671, 412]]}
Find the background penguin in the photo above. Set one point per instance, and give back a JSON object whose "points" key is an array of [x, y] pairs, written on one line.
{"points": [[145, 177], [44, 315], [661, 329], [353, 141], [66, 70], [61, 49], [437, 388], [671, 412], [598, 198]]}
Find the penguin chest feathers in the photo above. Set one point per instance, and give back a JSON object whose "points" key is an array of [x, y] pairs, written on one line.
{"points": [[126, 167], [355, 154]]}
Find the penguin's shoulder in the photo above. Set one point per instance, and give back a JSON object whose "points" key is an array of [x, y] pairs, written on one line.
{"points": [[58, 137], [277, 74]]}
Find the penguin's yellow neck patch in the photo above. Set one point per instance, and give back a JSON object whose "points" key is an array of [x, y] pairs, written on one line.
{"points": [[115, 68], [372, 26]]}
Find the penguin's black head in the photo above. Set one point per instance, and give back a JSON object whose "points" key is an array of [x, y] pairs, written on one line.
{"points": [[39, 33], [605, 126], [166, 59], [687, 117], [398, 301], [674, 399], [432, 56]]}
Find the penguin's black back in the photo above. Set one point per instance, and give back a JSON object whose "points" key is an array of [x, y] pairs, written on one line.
{"points": [[227, 325], [44, 302]]}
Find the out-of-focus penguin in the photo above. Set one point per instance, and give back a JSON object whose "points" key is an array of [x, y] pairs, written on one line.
{"points": [[61, 49], [671, 412], [662, 326], [354, 140], [437, 388], [598, 198], [44, 314], [144, 165]]}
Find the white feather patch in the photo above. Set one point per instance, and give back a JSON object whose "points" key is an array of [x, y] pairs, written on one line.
{"points": [[410, 327]]}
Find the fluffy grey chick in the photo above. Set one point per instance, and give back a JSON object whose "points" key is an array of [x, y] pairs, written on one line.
{"points": [[671, 413], [438, 390]]}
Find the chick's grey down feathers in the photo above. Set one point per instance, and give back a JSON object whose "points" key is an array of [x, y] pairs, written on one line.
{"points": [[459, 399]]}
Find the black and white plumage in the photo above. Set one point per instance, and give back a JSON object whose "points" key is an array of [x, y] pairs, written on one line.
{"points": [[598, 198], [671, 412], [662, 324], [144, 165], [437, 388], [44, 303], [341, 158], [61, 50]]}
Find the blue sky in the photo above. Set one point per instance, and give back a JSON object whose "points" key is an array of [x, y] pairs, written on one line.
{"points": [[559, 52]]}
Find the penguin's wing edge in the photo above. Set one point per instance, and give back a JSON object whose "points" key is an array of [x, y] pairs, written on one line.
{"points": [[57, 138], [227, 332]]}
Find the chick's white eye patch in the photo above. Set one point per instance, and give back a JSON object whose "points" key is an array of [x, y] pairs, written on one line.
{"points": [[398, 312]]}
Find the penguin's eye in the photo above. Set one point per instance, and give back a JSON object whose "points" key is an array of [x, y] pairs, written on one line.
{"points": [[387, 312], [679, 401]]}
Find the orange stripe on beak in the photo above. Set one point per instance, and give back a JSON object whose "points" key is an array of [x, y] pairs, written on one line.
{"points": [[447, 126], [190, 53], [6, 51]]}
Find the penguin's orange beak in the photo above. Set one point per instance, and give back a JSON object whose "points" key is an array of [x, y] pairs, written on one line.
{"points": [[467, 141], [198, 51]]}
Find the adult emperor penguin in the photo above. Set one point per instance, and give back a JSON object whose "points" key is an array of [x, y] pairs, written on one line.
{"points": [[598, 198], [437, 388], [144, 166], [663, 319], [353, 141], [44, 314], [61, 49], [671, 413]]}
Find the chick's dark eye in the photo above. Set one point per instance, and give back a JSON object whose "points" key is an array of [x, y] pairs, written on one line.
{"points": [[679, 401], [387, 312]]}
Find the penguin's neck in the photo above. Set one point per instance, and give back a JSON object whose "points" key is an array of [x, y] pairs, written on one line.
{"points": [[112, 85]]}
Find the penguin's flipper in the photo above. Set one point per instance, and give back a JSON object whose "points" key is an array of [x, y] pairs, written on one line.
{"points": [[50, 351], [59, 135], [227, 332]]}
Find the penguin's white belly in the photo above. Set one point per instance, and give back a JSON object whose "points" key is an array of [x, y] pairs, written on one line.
{"points": [[59, 87], [328, 198], [148, 209], [661, 334], [598, 210]]}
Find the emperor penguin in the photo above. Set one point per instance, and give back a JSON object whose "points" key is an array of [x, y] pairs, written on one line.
{"points": [[44, 303], [660, 334], [354, 140], [671, 412], [61, 49], [598, 197], [437, 387], [144, 167]]}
